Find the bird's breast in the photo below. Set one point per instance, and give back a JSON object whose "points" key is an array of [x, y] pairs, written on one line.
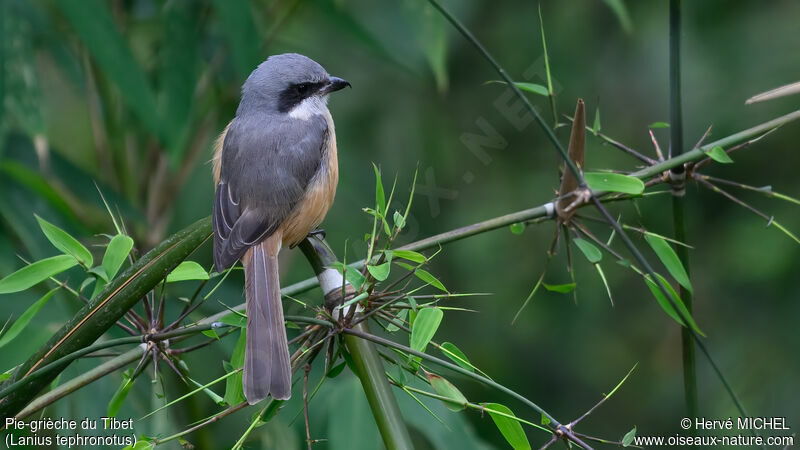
{"points": [[319, 194]]}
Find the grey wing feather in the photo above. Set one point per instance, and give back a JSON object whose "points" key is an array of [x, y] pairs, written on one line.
{"points": [[267, 163]]}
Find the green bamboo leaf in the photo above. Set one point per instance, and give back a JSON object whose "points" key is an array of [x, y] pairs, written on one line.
{"points": [[402, 315], [456, 355], [25, 318], [426, 276], [93, 22], [589, 250], [659, 125], [509, 428], [431, 37], [719, 155], [605, 282], [424, 327], [533, 88], [119, 397], [517, 228], [66, 243], [443, 387], [614, 182], [560, 288], [666, 305], [336, 370], [208, 391], [39, 185], [350, 273], [627, 440], [115, 255], [380, 196], [35, 273], [187, 270], [398, 220], [380, 272], [234, 320], [141, 444], [7, 374], [234, 393], [121, 294], [670, 260], [406, 254], [621, 11]]}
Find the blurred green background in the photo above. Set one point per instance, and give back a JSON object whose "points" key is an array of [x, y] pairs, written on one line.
{"points": [[131, 94]]}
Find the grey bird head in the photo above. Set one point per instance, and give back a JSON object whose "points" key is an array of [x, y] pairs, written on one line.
{"points": [[285, 83]]}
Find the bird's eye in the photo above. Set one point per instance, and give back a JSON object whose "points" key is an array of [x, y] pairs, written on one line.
{"points": [[303, 88]]}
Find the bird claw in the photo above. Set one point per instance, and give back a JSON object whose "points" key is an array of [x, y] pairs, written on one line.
{"points": [[581, 196]]}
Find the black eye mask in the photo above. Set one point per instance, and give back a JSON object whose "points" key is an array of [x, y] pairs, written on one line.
{"points": [[296, 93]]}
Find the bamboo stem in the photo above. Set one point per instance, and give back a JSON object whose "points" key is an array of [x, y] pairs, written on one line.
{"points": [[369, 366], [679, 202]]}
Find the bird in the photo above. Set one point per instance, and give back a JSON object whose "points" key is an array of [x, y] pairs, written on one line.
{"points": [[275, 171]]}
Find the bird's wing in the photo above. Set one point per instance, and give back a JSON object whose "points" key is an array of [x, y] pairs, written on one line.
{"points": [[267, 163]]}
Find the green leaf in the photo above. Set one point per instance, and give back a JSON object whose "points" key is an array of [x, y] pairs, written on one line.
{"points": [[336, 370], [380, 272], [457, 356], [425, 276], [719, 155], [666, 305], [187, 270], [659, 125], [402, 315], [141, 444], [627, 440], [210, 393], [589, 250], [406, 254], [93, 21], [234, 320], [25, 318], [619, 9], [66, 243], [36, 273], [455, 399], [431, 37], [527, 87], [399, 220], [234, 394], [210, 333], [7, 374], [380, 196], [352, 275], [99, 272], [517, 228], [560, 288], [120, 395], [424, 327], [670, 260], [115, 255], [509, 428], [614, 182]]}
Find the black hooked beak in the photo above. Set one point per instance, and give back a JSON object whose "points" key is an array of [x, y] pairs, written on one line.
{"points": [[335, 84]]}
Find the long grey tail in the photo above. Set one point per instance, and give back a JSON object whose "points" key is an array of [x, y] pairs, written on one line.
{"points": [[267, 370]]}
